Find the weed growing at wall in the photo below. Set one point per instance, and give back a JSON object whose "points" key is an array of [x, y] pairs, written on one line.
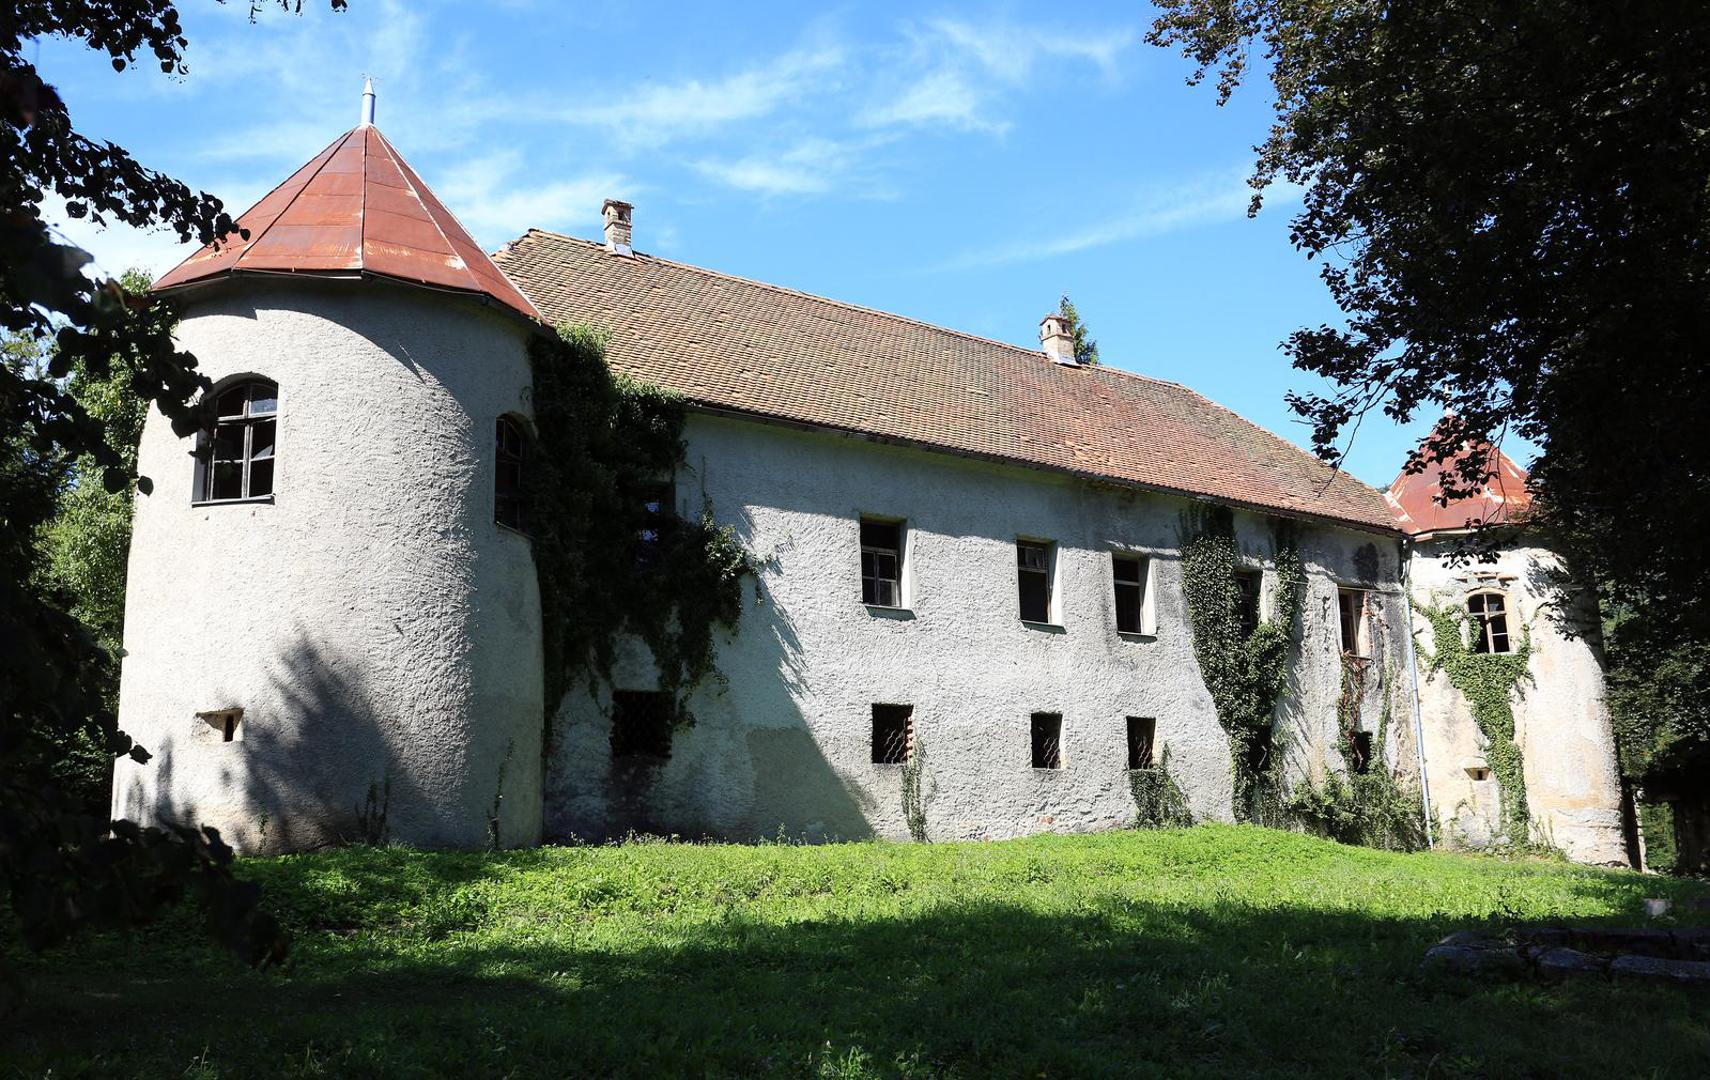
{"points": [[1375, 808], [1488, 681], [1246, 674], [1158, 799], [608, 566], [913, 794]]}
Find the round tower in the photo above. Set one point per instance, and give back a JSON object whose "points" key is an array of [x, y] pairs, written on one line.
{"points": [[332, 624]]}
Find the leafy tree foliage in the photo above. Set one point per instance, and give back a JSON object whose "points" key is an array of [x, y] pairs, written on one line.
{"points": [[61, 865], [1086, 349]]}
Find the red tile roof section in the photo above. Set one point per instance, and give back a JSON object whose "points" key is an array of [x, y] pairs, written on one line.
{"points": [[729, 343], [1416, 499], [356, 208]]}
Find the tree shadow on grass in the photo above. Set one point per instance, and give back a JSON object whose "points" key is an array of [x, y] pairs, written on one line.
{"points": [[1109, 987]]}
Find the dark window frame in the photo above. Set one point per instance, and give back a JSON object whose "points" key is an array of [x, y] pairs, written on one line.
{"points": [[221, 426], [893, 734], [1039, 577], [1046, 731], [1249, 600], [1360, 752], [874, 555], [1130, 592], [1142, 742], [510, 459], [658, 508], [1490, 634]]}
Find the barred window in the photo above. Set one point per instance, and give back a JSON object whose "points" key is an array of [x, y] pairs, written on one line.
{"points": [[893, 734], [1047, 740], [235, 451]]}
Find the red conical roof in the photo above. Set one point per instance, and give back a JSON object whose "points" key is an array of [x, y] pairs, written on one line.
{"points": [[357, 208], [1416, 499]]}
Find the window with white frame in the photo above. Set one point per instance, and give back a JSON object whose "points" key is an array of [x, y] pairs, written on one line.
{"points": [[1351, 610], [881, 562], [1033, 579], [235, 451], [1488, 612], [1129, 573]]}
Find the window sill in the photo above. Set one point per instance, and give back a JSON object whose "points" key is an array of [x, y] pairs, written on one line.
{"points": [[252, 501], [1042, 770], [1045, 627], [884, 611], [1136, 635]]}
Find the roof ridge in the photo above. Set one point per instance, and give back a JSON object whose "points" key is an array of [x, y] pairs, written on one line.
{"points": [[846, 305]]}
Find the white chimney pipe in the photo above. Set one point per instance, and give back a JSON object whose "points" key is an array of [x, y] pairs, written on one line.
{"points": [[367, 103], [617, 223]]}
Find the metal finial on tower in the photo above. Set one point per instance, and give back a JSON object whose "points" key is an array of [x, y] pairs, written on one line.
{"points": [[367, 102]]}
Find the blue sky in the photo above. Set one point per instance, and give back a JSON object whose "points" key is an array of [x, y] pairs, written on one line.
{"points": [[964, 165]]}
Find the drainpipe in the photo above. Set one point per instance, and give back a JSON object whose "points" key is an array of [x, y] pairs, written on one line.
{"points": [[1413, 672]]}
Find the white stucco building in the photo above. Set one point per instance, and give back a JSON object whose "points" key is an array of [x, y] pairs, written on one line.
{"points": [[970, 559]]}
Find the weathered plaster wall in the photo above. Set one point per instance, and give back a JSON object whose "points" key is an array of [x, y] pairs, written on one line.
{"points": [[1561, 720], [785, 744], [379, 630]]}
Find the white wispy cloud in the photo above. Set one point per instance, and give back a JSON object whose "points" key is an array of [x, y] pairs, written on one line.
{"points": [[493, 198], [957, 72], [1214, 197], [812, 166]]}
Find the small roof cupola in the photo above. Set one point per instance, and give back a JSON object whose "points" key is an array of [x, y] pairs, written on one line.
{"points": [[617, 215], [1056, 339], [356, 210]]}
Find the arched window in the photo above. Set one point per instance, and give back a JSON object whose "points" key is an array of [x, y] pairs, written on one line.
{"points": [[234, 457], [1489, 612], [510, 446]]}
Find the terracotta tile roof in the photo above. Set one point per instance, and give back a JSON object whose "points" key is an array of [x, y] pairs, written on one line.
{"points": [[356, 208], [732, 344], [1416, 498]]}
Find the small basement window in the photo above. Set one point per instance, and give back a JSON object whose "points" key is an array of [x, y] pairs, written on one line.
{"points": [[1129, 573], [881, 562], [1047, 740], [641, 723], [224, 721], [1361, 747], [1033, 578], [1248, 584], [1141, 732], [1489, 612], [893, 734], [1351, 614]]}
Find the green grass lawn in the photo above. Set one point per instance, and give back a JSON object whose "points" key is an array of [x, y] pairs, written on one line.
{"points": [[1205, 952]]}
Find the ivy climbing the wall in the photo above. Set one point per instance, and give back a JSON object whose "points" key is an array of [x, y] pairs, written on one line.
{"points": [[1375, 808], [609, 563], [1246, 673], [1158, 800], [1488, 681]]}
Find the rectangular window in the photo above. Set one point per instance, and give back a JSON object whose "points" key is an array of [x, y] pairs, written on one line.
{"points": [[1130, 575], [1351, 611], [1141, 731], [881, 562], [658, 505], [1033, 576], [1489, 613], [1362, 752], [1047, 740], [641, 724], [893, 734], [1247, 587]]}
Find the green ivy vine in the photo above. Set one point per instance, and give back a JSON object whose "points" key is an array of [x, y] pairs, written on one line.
{"points": [[607, 566], [1246, 674], [1158, 800], [1374, 808], [913, 793], [1488, 681]]}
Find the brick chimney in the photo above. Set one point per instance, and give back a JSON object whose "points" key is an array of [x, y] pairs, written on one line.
{"points": [[1054, 336], [617, 216]]}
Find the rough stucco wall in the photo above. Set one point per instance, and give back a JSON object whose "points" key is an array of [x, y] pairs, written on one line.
{"points": [[1561, 719], [786, 744], [373, 622]]}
